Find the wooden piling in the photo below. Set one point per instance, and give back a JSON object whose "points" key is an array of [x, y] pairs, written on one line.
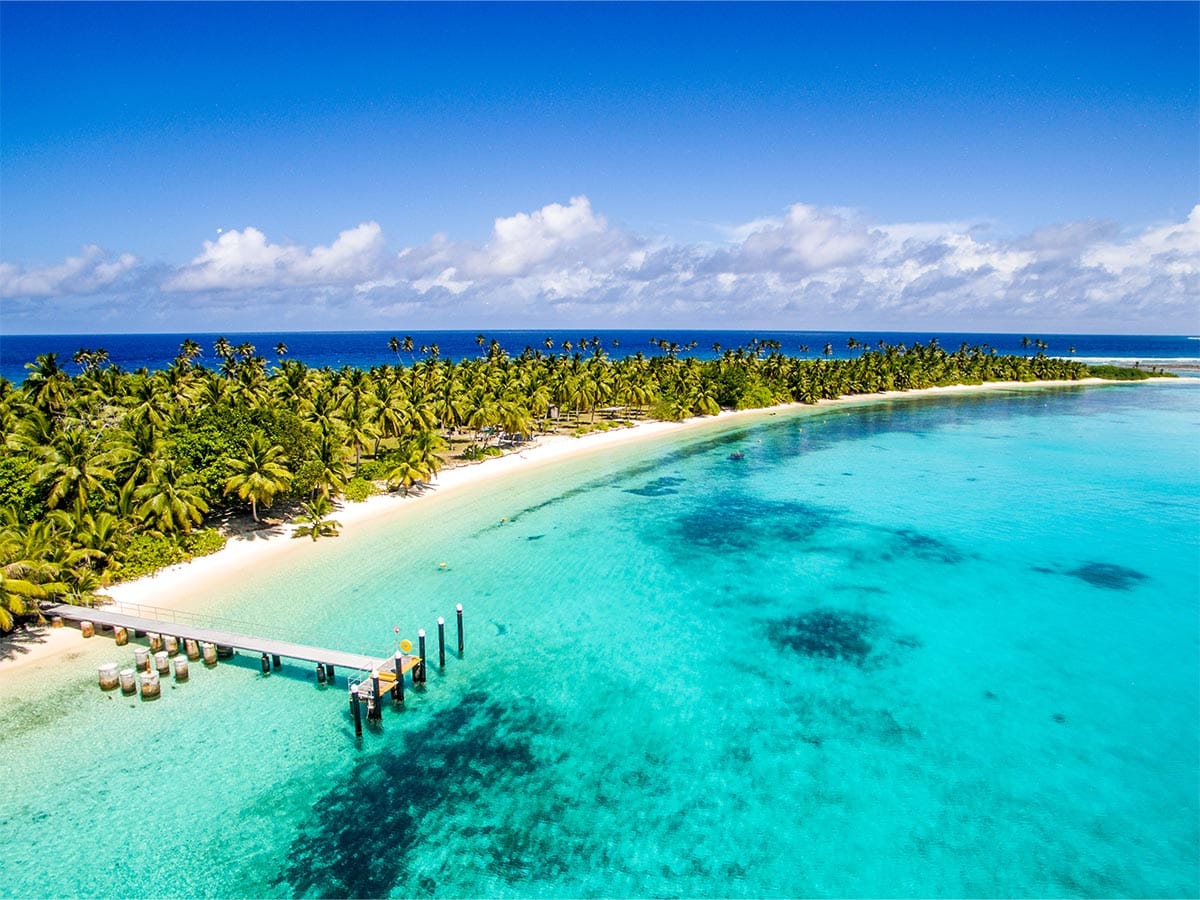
{"points": [[441, 643], [162, 663], [210, 654], [87, 629], [276, 661], [419, 671], [150, 685], [377, 696], [458, 610], [156, 641], [266, 665], [56, 621], [108, 677], [398, 689], [192, 648], [141, 658], [120, 636], [171, 644], [355, 712], [128, 681], [320, 673], [181, 668]]}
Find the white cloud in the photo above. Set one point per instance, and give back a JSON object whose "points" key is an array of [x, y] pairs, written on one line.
{"points": [[809, 267], [523, 241], [85, 274], [245, 259]]}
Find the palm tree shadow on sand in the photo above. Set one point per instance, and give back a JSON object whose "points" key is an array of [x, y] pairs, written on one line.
{"points": [[21, 642]]}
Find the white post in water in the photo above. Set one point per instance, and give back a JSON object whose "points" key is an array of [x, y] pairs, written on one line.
{"points": [[128, 681], [210, 654], [120, 636], [162, 662], [156, 641], [192, 648], [86, 628], [181, 668], [150, 685], [141, 658], [171, 645], [108, 676]]}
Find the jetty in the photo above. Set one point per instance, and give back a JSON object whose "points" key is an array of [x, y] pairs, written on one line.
{"points": [[275, 649]]}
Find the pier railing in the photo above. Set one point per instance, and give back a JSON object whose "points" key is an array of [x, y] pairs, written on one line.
{"points": [[225, 623]]}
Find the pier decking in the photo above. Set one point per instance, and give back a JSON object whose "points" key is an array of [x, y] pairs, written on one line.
{"points": [[251, 643]]}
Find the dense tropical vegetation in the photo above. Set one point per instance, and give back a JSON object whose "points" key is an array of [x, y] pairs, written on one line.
{"points": [[109, 474]]}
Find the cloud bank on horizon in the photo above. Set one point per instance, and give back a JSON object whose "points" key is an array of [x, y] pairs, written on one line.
{"points": [[566, 265]]}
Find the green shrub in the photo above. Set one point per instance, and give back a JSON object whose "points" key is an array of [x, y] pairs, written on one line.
{"points": [[359, 489], [666, 410], [374, 470], [204, 542], [148, 553], [1123, 373]]}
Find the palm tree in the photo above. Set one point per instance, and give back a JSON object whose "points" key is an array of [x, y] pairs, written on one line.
{"points": [[73, 469], [259, 474], [315, 525], [170, 501]]}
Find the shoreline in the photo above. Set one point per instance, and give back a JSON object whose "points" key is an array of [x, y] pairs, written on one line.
{"points": [[184, 584]]}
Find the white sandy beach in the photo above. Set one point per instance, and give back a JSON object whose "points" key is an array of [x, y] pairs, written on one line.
{"points": [[210, 575]]}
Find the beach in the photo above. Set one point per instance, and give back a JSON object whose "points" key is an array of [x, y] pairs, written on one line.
{"points": [[186, 585]]}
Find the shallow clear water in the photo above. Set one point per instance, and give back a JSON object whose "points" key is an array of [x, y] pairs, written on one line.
{"points": [[907, 648]]}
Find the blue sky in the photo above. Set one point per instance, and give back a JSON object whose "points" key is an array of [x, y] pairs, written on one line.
{"points": [[987, 166]]}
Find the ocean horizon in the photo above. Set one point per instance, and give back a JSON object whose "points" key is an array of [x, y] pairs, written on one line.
{"points": [[364, 349]]}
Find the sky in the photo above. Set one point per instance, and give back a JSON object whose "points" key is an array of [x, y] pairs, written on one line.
{"points": [[304, 166]]}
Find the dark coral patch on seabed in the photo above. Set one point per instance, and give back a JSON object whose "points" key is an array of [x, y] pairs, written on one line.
{"points": [[357, 842], [1109, 576], [838, 635]]}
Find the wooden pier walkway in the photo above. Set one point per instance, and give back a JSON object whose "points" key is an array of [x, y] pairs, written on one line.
{"points": [[274, 648]]}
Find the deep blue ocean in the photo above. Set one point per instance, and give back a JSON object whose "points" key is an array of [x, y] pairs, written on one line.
{"points": [[363, 349]]}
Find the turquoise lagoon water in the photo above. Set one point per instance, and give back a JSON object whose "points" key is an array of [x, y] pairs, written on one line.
{"points": [[906, 648]]}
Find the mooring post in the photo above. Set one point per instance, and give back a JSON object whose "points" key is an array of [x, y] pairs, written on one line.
{"points": [[276, 660], [377, 694], [356, 712], [108, 676], [329, 672], [320, 673], [398, 690], [441, 643], [458, 609], [210, 654], [266, 665], [421, 664]]}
